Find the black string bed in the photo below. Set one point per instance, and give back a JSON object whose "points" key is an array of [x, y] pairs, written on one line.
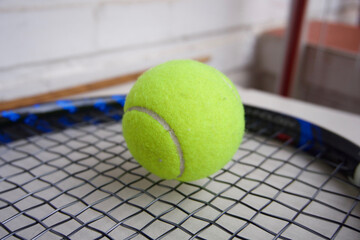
{"points": [[67, 174]]}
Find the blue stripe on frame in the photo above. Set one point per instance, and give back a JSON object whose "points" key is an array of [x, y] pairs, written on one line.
{"points": [[120, 99], [65, 121], [306, 135], [4, 138], [101, 105], [30, 119], [44, 126], [12, 116], [66, 105], [116, 117]]}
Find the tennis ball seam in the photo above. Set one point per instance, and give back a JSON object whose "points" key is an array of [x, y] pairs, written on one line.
{"points": [[167, 127], [235, 93]]}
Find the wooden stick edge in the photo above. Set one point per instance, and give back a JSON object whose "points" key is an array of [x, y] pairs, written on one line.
{"points": [[55, 95]]}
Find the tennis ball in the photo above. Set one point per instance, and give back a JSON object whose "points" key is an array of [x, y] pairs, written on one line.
{"points": [[183, 120]]}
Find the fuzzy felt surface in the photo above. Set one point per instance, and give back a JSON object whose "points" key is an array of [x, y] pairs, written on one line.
{"points": [[202, 107], [151, 145]]}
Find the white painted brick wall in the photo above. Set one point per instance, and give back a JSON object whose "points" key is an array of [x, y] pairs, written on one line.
{"points": [[132, 24], [48, 45], [33, 36]]}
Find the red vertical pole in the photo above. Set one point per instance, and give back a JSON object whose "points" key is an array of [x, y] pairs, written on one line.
{"points": [[294, 30]]}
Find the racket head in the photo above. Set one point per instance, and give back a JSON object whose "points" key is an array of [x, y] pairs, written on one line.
{"points": [[66, 173]]}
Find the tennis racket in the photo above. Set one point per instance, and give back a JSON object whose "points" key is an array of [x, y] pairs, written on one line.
{"points": [[66, 173]]}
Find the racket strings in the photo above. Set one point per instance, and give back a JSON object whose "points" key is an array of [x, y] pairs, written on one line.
{"points": [[313, 198], [80, 181]]}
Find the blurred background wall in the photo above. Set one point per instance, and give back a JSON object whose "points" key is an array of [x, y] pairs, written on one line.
{"points": [[50, 45], [328, 69]]}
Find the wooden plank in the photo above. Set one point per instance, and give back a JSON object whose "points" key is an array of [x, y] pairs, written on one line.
{"points": [[54, 95]]}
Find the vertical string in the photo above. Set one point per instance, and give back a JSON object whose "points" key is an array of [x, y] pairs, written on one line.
{"points": [[357, 63], [357, 71], [320, 46]]}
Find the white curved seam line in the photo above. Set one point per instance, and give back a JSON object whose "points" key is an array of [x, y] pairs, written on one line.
{"points": [[167, 127], [234, 92], [226, 81]]}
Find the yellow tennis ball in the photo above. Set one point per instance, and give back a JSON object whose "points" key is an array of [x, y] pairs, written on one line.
{"points": [[183, 120]]}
